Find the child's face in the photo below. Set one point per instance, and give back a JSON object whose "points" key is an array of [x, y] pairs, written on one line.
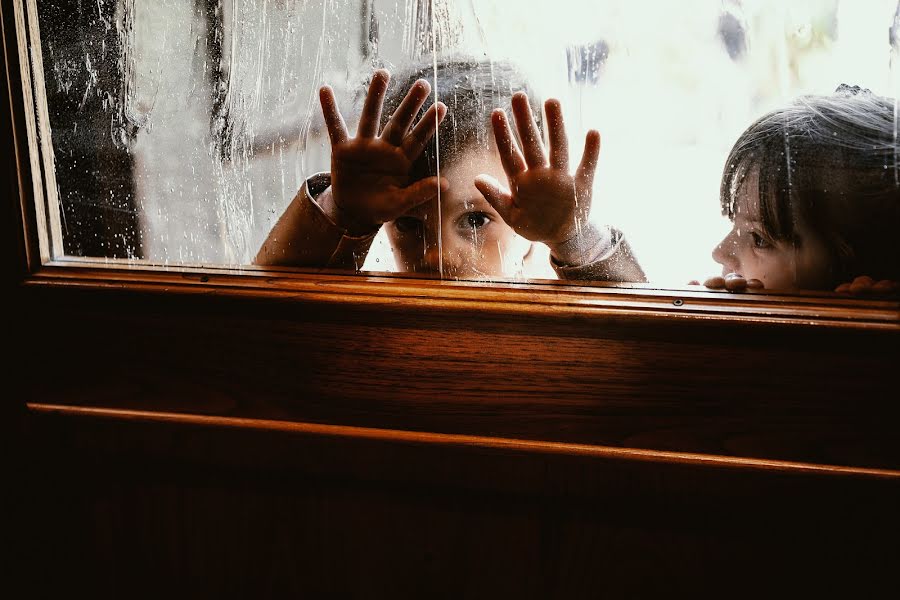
{"points": [[748, 251], [474, 241]]}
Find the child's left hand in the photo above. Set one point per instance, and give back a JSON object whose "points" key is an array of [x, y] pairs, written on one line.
{"points": [[544, 203]]}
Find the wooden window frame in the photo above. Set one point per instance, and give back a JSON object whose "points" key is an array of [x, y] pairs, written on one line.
{"points": [[800, 381]]}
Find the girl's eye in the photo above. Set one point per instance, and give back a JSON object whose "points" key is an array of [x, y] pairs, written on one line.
{"points": [[407, 224], [759, 241], [476, 220]]}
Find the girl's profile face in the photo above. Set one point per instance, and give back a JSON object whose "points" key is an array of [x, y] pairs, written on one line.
{"points": [[750, 252], [474, 241]]}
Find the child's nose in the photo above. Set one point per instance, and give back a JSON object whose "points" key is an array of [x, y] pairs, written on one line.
{"points": [[448, 259], [724, 253], [432, 257]]}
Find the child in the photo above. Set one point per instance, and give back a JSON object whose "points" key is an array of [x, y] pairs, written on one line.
{"points": [[465, 223], [813, 191]]}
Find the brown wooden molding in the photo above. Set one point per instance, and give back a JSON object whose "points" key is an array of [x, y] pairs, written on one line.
{"points": [[535, 447], [540, 299]]}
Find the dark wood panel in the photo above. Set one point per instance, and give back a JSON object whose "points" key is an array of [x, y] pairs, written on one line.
{"points": [[139, 508], [796, 393]]}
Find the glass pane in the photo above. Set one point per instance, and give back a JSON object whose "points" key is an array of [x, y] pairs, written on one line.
{"points": [[181, 128], [747, 137]]}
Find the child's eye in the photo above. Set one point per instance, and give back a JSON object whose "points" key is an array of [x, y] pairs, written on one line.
{"points": [[759, 241], [407, 224], [475, 220]]}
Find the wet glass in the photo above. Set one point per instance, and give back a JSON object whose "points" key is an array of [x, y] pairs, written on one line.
{"points": [[180, 132]]}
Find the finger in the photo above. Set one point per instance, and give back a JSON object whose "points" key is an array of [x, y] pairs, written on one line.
{"points": [[861, 285], [497, 196], [884, 286], [371, 113], [755, 284], [529, 135], [715, 283], [414, 143], [584, 175], [513, 162], [735, 283], [556, 132], [399, 123], [420, 191], [337, 129]]}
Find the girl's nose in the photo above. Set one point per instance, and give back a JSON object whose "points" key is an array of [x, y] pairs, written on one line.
{"points": [[724, 253], [432, 258]]}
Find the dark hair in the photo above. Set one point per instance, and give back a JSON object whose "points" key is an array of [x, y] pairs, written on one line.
{"points": [[471, 88], [831, 163]]}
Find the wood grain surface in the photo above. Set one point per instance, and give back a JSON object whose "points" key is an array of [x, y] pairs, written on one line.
{"points": [[145, 507], [791, 392]]}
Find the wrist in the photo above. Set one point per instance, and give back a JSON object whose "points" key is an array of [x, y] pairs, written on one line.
{"points": [[354, 226], [583, 246]]}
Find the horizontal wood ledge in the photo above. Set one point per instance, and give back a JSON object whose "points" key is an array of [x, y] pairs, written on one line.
{"points": [[561, 301], [445, 439]]}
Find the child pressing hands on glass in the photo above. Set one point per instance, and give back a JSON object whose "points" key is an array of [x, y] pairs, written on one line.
{"points": [[441, 202]]}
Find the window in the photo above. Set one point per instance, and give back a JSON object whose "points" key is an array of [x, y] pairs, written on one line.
{"points": [[176, 133]]}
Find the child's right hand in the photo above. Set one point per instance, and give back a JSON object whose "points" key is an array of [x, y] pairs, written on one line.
{"points": [[733, 282], [370, 173], [866, 286]]}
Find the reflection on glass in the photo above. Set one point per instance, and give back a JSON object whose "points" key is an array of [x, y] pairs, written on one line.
{"points": [[182, 131]]}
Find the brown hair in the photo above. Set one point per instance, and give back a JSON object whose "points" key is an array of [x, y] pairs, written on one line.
{"points": [[471, 88], [833, 164]]}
